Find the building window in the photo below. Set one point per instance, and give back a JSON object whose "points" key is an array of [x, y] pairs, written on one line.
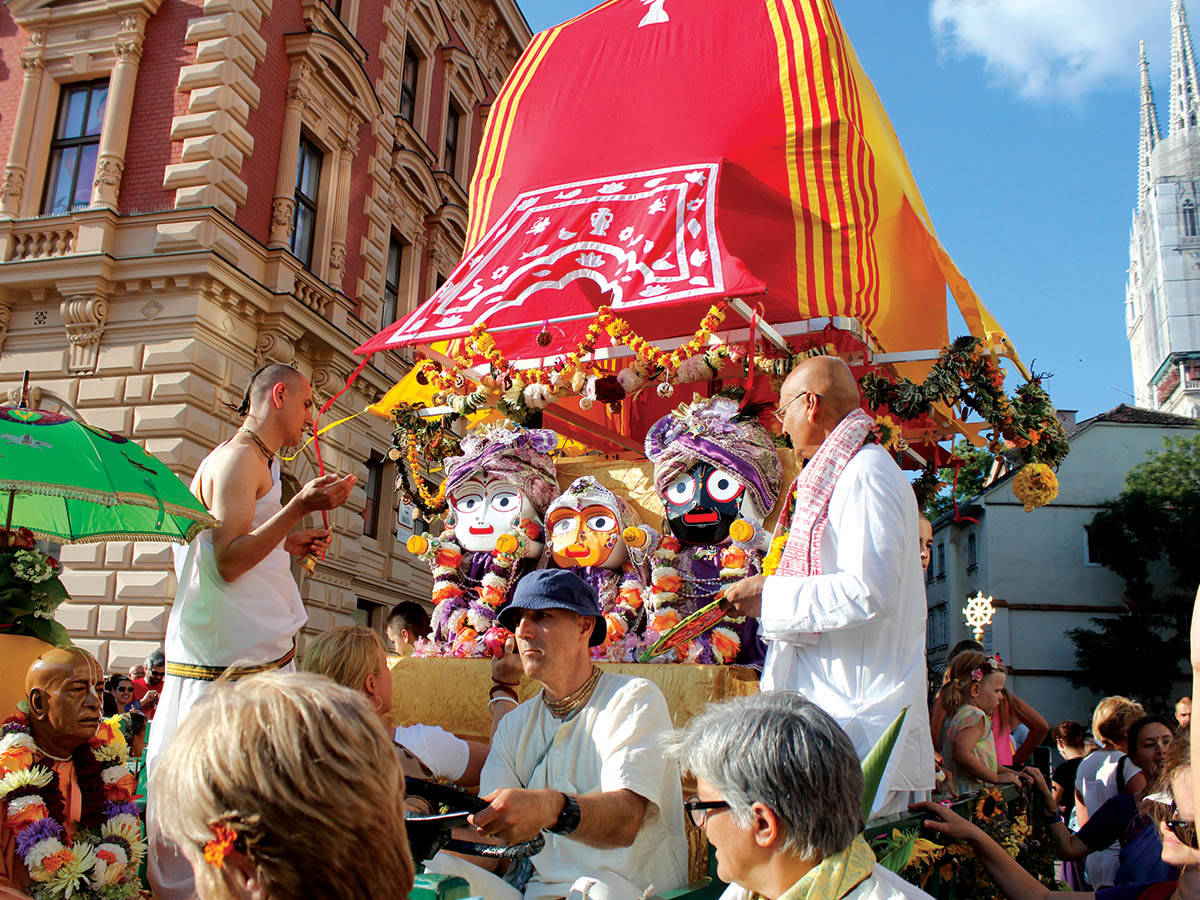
{"points": [[941, 561], [308, 181], [453, 122], [408, 84], [936, 627], [75, 147], [929, 573], [374, 491], [972, 559], [391, 282], [1189, 218], [369, 614], [1091, 550]]}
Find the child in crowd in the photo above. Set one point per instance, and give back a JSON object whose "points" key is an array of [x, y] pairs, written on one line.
{"points": [[973, 687]]}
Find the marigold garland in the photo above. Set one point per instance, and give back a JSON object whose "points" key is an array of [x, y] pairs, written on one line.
{"points": [[101, 863], [463, 614], [1035, 485]]}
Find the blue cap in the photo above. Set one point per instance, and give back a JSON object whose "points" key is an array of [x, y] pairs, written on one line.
{"points": [[556, 589]]}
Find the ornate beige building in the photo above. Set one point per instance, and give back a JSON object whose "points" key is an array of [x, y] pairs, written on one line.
{"points": [[195, 187]]}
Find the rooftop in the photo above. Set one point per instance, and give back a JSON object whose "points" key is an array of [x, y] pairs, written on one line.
{"points": [[1136, 415]]}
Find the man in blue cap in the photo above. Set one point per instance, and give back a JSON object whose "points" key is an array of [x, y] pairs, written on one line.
{"points": [[581, 761]]}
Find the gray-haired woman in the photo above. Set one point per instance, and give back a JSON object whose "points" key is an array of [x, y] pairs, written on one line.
{"points": [[779, 795]]}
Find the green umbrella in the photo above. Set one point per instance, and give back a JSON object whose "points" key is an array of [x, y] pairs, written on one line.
{"points": [[73, 483]]}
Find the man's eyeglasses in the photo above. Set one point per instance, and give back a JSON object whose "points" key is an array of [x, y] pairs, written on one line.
{"points": [[699, 810], [781, 413], [1182, 829]]}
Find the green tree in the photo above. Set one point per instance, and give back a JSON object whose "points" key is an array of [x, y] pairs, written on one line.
{"points": [[977, 463], [1147, 535]]}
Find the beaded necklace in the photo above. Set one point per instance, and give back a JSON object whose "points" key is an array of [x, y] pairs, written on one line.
{"points": [[574, 701]]}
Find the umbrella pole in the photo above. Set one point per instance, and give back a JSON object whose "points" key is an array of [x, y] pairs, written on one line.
{"points": [[4, 539], [23, 403]]}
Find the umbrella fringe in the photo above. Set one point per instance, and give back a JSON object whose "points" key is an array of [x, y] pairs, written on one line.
{"points": [[185, 538], [106, 498]]}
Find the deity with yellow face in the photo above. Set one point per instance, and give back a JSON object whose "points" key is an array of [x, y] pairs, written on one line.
{"points": [[584, 529]]}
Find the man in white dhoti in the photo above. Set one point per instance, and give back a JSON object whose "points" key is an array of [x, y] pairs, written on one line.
{"points": [[237, 604], [844, 613]]}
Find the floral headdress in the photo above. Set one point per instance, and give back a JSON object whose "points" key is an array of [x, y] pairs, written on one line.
{"points": [[711, 430], [518, 455], [992, 664]]}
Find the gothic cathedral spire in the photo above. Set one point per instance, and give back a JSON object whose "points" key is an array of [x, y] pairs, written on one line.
{"points": [[1150, 133], [1185, 95]]}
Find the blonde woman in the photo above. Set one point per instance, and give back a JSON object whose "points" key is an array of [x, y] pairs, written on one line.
{"points": [[355, 657], [1104, 774], [266, 787]]}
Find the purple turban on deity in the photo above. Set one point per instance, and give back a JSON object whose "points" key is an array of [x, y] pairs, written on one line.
{"points": [[710, 430], [519, 456]]}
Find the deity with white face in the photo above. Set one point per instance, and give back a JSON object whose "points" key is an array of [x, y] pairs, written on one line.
{"points": [[485, 508], [584, 528], [497, 492]]}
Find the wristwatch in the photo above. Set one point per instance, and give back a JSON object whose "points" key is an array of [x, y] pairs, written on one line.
{"points": [[568, 819]]}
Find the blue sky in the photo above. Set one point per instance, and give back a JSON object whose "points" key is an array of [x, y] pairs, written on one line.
{"points": [[1020, 122]]}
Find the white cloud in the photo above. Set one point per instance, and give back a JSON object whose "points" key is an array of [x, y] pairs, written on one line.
{"points": [[1053, 49]]}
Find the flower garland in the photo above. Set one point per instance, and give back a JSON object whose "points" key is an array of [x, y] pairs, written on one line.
{"points": [[523, 390], [101, 863], [663, 608], [625, 604], [964, 373], [463, 615]]}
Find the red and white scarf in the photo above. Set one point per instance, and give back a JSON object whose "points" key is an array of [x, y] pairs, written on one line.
{"points": [[813, 487]]}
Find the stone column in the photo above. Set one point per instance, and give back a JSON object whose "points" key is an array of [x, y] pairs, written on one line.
{"points": [[283, 207], [341, 206], [18, 150], [114, 134]]}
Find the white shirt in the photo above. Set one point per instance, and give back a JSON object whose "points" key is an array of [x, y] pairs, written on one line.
{"points": [[881, 884], [1096, 782], [445, 754], [611, 744], [852, 639]]}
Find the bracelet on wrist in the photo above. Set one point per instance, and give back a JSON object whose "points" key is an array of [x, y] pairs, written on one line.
{"points": [[495, 700], [503, 691]]}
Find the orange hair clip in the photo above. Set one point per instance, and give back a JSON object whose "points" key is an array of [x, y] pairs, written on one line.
{"points": [[220, 846]]}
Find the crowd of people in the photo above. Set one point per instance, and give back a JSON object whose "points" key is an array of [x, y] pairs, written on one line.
{"points": [[267, 782]]}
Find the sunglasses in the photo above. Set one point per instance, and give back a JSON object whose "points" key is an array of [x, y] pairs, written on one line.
{"points": [[1182, 829], [699, 810]]}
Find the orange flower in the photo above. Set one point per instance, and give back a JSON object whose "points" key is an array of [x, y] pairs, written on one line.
{"points": [[668, 584], [446, 592], [15, 759], [107, 855], [217, 849], [616, 627], [448, 558], [492, 596], [733, 558], [631, 597], [122, 790], [670, 544], [56, 861], [664, 621], [29, 814], [725, 644]]}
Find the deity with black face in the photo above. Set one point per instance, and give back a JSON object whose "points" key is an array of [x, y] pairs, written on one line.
{"points": [[713, 466]]}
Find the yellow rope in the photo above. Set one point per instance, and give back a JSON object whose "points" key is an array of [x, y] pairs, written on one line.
{"points": [[324, 429]]}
